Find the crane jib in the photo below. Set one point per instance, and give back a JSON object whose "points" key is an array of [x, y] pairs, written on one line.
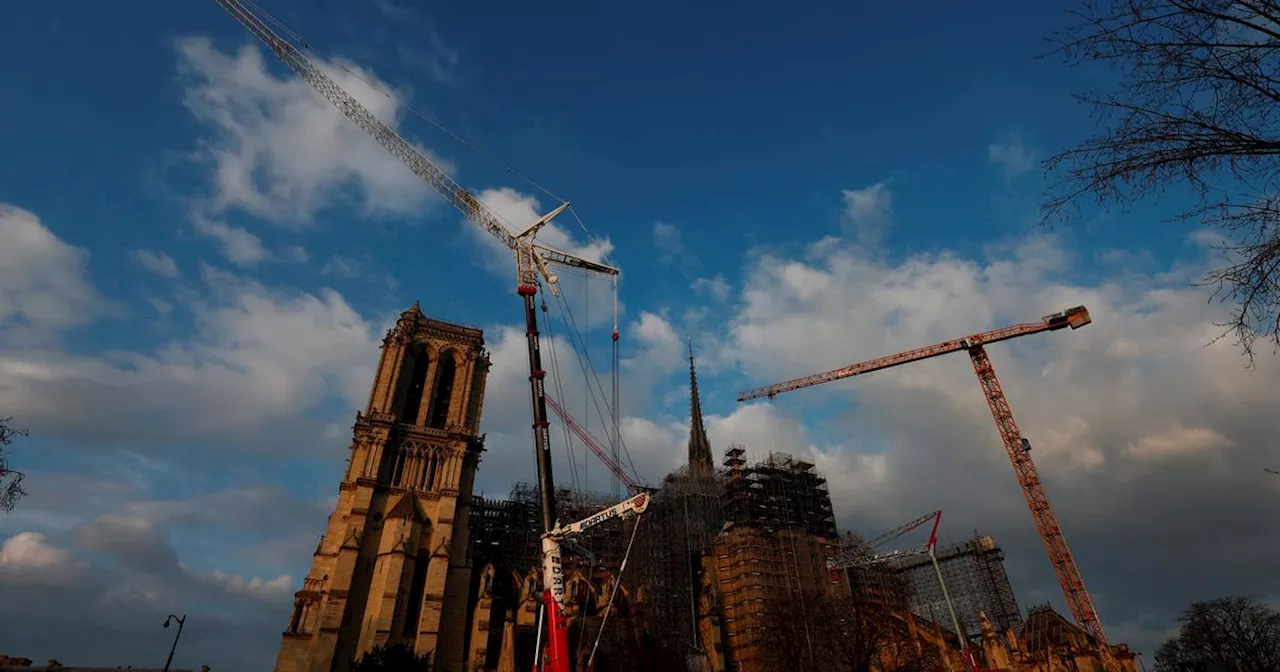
{"points": [[1073, 317]]}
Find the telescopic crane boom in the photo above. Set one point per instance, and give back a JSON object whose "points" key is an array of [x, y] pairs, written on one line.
{"points": [[532, 258], [1064, 564]]}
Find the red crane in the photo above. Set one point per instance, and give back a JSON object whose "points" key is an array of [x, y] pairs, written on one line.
{"points": [[533, 259], [1064, 565], [591, 442]]}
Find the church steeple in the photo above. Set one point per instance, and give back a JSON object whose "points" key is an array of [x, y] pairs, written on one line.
{"points": [[700, 461]]}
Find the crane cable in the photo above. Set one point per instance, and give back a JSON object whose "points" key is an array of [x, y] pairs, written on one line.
{"points": [[613, 593], [306, 46], [584, 361], [320, 62], [555, 379]]}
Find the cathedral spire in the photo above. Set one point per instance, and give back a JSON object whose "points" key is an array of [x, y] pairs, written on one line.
{"points": [[700, 461]]}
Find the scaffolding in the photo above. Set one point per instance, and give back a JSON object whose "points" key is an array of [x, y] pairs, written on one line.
{"points": [[508, 532], [880, 584], [975, 576], [769, 559], [683, 519], [781, 492]]}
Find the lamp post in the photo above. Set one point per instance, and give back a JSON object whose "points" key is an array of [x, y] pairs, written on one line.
{"points": [[181, 621]]}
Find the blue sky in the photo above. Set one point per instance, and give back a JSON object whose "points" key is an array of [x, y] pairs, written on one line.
{"points": [[206, 256]]}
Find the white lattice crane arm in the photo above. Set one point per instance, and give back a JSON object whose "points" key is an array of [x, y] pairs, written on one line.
{"points": [[627, 507], [531, 257], [903, 529], [851, 558], [1075, 318], [849, 561]]}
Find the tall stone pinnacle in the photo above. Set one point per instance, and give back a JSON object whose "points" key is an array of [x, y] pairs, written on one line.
{"points": [[700, 461]]}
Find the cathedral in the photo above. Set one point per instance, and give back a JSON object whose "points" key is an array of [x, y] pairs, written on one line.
{"points": [[392, 566]]}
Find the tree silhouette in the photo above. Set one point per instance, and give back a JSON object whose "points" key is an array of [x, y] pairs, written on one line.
{"points": [[10, 478], [1197, 103], [393, 658], [1230, 634]]}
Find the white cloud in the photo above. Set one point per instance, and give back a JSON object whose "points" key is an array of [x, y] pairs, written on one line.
{"points": [[281, 151], [238, 245], [42, 279], [1125, 416], [868, 213], [805, 317], [29, 550], [669, 242], [29, 558], [339, 266], [296, 254], [162, 307], [257, 354], [716, 287], [273, 589], [1011, 155], [658, 353], [1178, 441], [156, 262], [518, 211]]}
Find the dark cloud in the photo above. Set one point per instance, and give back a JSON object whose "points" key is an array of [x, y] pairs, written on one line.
{"points": [[111, 614]]}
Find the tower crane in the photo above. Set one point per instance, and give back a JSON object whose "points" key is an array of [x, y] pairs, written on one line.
{"points": [[1064, 564], [533, 260]]}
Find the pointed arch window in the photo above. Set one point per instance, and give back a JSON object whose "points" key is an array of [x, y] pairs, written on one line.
{"points": [[417, 589], [415, 385], [446, 369]]}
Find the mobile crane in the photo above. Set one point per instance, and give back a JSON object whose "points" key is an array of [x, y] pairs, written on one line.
{"points": [[554, 570], [533, 264], [1018, 448]]}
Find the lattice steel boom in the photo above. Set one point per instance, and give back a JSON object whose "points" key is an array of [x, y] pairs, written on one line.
{"points": [[1064, 564], [1060, 556], [532, 265]]}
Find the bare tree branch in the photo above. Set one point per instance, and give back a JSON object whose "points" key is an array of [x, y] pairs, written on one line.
{"points": [[1228, 633], [10, 479], [1197, 103]]}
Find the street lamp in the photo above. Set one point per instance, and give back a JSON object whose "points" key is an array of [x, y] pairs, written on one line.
{"points": [[181, 621]]}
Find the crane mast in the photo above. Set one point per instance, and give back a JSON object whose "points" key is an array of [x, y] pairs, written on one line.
{"points": [[532, 266], [1064, 564]]}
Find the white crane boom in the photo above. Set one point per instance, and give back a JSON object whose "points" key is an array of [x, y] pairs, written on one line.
{"points": [[531, 264], [531, 257], [845, 561], [634, 506]]}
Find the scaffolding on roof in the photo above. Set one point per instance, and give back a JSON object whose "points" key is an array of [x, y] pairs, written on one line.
{"points": [[683, 519], [976, 578]]}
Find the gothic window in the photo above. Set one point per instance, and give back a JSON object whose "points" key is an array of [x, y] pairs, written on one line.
{"points": [[401, 458], [477, 394], [416, 363], [438, 414], [434, 471], [416, 589]]}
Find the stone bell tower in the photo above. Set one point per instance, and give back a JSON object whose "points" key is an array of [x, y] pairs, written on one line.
{"points": [[392, 566]]}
